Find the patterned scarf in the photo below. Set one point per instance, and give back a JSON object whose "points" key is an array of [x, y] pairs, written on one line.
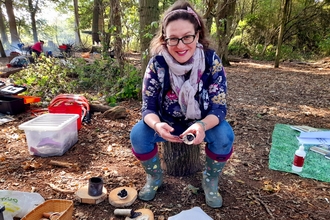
{"points": [[187, 89]]}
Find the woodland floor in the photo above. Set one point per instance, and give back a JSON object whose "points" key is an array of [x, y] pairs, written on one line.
{"points": [[259, 96]]}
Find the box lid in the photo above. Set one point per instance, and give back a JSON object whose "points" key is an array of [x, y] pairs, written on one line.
{"points": [[12, 90], [49, 122]]}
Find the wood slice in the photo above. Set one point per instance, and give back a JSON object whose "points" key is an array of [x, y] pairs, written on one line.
{"points": [[146, 215], [83, 197], [117, 202]]}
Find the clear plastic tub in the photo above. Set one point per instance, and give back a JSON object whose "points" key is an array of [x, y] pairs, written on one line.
{"points": [[51, 134]]}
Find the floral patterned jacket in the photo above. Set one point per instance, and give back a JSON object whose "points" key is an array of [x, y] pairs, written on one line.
{"points": [[159, 98]]}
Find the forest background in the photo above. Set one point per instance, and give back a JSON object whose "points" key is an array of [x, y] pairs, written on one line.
{"points": [[259, 29]]}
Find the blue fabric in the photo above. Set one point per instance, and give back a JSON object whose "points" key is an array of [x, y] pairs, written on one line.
{"points": [[219, 139]]}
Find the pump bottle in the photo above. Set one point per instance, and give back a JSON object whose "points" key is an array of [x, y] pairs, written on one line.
{"points": [[299, 158]]}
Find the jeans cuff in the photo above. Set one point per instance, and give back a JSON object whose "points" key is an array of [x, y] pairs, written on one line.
{"points": [[147, 156], [218, 157]]}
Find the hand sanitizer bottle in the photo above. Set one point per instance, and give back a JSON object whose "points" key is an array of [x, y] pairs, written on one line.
{"points": [[299, 158]]}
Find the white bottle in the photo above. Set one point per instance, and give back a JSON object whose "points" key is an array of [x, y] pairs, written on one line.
{"points": [[299, 158]]}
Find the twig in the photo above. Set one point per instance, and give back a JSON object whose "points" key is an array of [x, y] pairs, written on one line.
{"points": [[265, 206], [62, 164], [59, 189]]}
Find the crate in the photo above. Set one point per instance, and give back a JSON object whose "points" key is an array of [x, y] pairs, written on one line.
{"points": [[11, 105], [62, 206], [68, 108], [51, 134]]}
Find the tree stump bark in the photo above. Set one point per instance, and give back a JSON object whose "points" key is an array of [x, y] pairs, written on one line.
{"points": [[179, 159]]}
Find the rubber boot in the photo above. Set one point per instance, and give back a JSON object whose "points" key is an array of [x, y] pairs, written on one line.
{"points": [[154, 178], [210, 181]]}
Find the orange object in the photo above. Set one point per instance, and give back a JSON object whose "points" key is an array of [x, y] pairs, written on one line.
{"points": [[85, 55], [29, 99]]}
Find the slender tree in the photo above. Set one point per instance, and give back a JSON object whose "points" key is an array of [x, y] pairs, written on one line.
{"points": [[33, 11], [284, 15], [4, 36], [116, 22], [95, 21], [149, 12], [2, 50], [12, 22], [76, 23]]}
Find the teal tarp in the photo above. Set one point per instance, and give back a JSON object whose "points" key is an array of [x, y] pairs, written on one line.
{"points": [[284, 145]]}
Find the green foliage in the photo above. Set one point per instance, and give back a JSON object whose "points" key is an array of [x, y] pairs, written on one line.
{"points": [[127, 86], [236, 47], [48, 77], [324, 46]]}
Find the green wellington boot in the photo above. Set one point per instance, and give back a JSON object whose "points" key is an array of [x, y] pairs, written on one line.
{"points": [[154, 178], [210, 181]]}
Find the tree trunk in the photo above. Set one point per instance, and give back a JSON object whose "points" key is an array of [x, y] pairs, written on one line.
{"points": [[12, 22], [285, 7], [180, 159], [2, 50], [76, 24], [116, 22], [224, 22], [209, 13], [33, 11], [149, 12], [95, 22], [3, 32]]}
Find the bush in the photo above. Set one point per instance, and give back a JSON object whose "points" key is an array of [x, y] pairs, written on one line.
{"points": [[324, 46], [49, 77]]}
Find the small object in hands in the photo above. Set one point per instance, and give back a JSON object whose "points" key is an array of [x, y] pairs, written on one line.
{"points": [[188, 138], [95, 186], [122, 194]]}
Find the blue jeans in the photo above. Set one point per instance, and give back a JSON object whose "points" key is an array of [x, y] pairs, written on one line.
{"points": [[219, 139]]}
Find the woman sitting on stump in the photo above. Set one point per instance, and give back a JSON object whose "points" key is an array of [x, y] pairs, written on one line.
{"points": [[184, 91]]}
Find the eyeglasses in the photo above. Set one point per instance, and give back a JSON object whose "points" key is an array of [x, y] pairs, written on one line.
{"points": [[173, 41]]}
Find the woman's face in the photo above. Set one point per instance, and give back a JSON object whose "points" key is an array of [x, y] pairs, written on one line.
{"points": [[179, 29]]}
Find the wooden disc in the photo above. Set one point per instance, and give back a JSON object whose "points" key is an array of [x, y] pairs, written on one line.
{"points": [[83, 197], [117, 202], [146, 214]]}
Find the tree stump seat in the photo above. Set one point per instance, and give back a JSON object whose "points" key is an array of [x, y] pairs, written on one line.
{"points": [[179, 159]]}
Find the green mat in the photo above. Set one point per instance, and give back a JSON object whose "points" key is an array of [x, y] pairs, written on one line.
{"points": [[284, 145]]}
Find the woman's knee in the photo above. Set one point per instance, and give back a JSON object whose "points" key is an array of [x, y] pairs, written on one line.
{"points": [[220, 139]]}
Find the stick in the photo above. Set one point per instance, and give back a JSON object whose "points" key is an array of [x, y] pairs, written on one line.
{"points": [[62, 164], [59, 189], [265, 205]]}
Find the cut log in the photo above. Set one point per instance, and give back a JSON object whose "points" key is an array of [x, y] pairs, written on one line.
{"points": [[8, 72], [115, 113], [98, 108]]}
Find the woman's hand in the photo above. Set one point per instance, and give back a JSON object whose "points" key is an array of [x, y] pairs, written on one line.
{"points": [[164, 131], [198, 130]]}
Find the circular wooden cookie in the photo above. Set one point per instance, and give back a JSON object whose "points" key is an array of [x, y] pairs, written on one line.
{"points": [[83, 197], [116, 201]]}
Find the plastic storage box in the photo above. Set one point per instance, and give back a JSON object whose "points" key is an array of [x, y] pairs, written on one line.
{"points": [[51, 134]]}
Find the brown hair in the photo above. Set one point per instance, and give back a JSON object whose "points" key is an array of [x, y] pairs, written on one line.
{"points": [[159, 40]]}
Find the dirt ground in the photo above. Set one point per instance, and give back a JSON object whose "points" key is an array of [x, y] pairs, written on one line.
{"points": [[259, 96]]}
